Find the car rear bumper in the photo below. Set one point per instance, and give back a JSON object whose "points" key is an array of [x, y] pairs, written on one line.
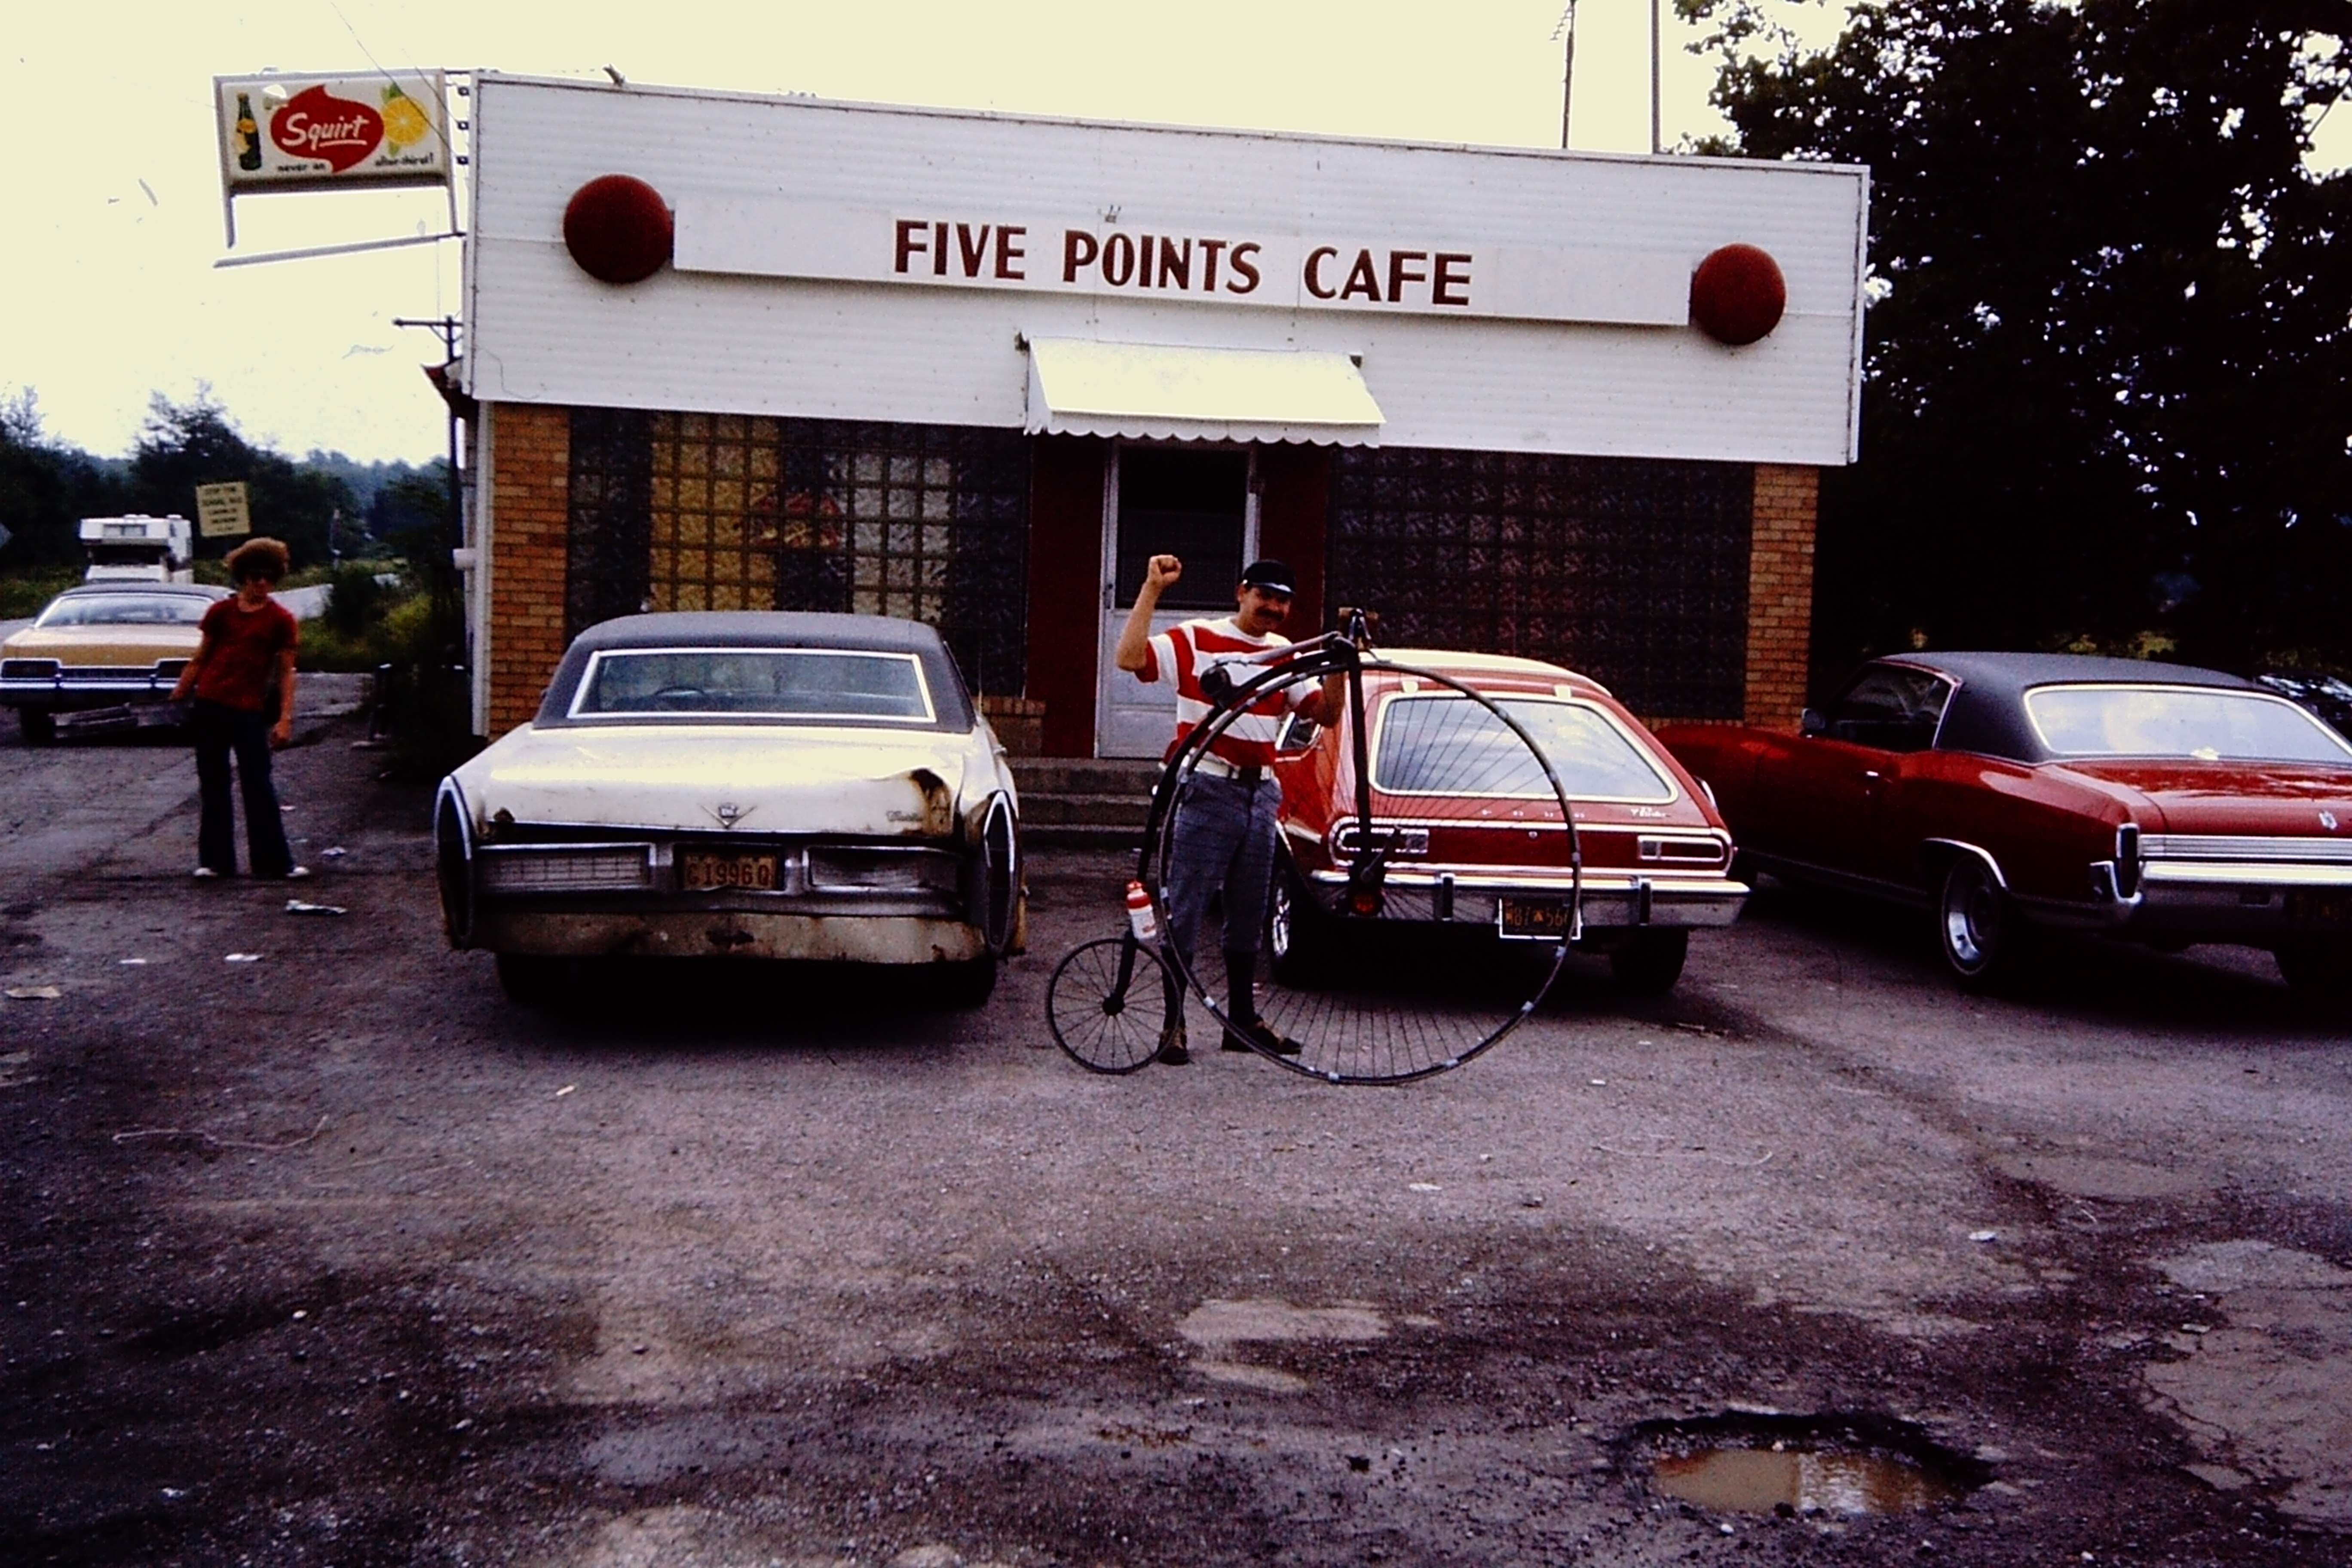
{"points": [[1609, 899], [727, 933], [2240, 899], [68, 692]]}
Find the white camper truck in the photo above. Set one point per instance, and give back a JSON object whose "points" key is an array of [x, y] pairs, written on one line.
{"points": [[139, 549]]}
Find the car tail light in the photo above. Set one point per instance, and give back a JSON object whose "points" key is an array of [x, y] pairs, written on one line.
{"points": [[1398, 841], [1365, 902], [564, 868], [844, 870], [1681, 851], [29, 669]]}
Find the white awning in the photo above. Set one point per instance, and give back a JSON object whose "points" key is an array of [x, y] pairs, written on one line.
{"points": [[1154, 391]]}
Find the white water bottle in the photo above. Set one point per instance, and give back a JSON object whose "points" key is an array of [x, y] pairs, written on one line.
{"points": [[1139, 918]]}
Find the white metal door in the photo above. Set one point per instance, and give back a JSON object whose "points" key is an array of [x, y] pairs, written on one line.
{"points": [[1132, 720]]}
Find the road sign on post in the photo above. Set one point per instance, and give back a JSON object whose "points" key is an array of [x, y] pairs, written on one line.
{"points": [[221, 511]]}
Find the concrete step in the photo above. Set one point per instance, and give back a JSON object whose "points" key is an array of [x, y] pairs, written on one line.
{"points": [[1084, 775], [1079, 810]]}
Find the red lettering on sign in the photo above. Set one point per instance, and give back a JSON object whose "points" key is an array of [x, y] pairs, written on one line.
{"points": [[1362, 283], [1447, 286], [911, 234], [939, 251], [1399, 277], [1144, 253], [1007, 253], [1315, 260], [1176, 264], [315, 124], [1208, 248], [1078, 249], [1118, 260], [972, 247], [1245, 278]]}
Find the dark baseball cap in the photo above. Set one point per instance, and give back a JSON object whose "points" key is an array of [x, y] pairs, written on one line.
{"points": [[1273, 576]]}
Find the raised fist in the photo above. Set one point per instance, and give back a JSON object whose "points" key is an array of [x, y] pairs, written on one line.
{"points": [[1162, 570]]}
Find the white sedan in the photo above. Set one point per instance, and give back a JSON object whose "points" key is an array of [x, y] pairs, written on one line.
{"points": [[740, 786]]}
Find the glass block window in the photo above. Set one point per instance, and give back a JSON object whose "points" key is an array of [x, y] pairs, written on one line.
{"points": [[1633, 570], [928, 522]]}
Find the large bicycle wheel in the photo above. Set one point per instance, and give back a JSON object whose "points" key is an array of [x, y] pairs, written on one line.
{"points": [[1428, 883], [1108, 1004]]}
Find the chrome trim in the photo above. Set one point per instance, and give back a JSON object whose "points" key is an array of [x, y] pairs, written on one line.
{"points": [[2246, 847], [1965, 847], [2241, 874], [537, 869]]}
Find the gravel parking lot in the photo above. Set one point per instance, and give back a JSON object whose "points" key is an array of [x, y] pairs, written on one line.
{"points": [[335, 1255]]}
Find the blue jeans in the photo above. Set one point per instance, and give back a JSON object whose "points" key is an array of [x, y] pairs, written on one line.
{"points": [[1223, 839], [220, 730]]}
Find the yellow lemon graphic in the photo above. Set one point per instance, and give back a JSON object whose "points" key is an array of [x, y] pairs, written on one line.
{"points": [[404, 121]]}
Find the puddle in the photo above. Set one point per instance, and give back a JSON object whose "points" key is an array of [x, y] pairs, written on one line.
{"points": [[1794, 1465]]}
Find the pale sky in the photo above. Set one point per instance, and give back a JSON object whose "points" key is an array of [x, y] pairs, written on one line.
{"points": [[115, 187]]}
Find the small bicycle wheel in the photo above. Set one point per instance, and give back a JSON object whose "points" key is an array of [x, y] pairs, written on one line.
{"points": [[1108, 1004], [1427, 884]]}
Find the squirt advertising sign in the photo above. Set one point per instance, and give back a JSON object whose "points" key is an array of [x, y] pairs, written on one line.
{"points": [[309, 133]]}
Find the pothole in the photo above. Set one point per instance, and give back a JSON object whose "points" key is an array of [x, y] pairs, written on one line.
{"points": [[1791, 1465]]}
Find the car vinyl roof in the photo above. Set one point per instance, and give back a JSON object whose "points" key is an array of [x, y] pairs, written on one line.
{"points": [[1987, 714]]}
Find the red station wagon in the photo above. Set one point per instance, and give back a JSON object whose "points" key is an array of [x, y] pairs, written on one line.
{"points": [[1477, 845], [2161, 802]]}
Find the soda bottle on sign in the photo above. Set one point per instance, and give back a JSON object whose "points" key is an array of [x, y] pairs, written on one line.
{"points": [[248, 135]]}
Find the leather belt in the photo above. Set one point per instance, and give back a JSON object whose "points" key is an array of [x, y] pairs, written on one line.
{"points": [[1216, 767]]}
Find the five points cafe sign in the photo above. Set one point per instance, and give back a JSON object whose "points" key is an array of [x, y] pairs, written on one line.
{"points": [[282, 133], [1414, 274]]}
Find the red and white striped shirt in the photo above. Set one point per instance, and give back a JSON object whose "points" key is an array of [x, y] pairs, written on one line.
{"points": [[1186, 650]]}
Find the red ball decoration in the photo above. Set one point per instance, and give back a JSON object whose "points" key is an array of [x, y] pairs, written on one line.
{"points": [[1737, 295], [618, 229]]}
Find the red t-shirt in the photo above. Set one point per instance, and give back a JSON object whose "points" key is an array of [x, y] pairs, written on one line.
{"points": [[241, 649]]}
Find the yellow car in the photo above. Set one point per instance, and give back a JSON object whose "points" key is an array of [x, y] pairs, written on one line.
{"points": [[103, 645]]}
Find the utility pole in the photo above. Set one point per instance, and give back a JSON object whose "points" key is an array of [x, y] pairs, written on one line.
{"points": [[1565, 34], [1656, 144]]}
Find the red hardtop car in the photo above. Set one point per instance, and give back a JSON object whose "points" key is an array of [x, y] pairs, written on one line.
{"points": [[2158, 802], [1478, 846]]}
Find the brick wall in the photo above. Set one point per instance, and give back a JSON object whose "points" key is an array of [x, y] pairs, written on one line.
{"points": [[1781, 592], [530, 503]]}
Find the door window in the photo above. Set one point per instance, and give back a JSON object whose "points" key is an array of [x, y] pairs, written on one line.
{"points": [[1191, 505]]}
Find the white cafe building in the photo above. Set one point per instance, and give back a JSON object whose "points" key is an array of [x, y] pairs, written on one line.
{"points": [[736, 351]]}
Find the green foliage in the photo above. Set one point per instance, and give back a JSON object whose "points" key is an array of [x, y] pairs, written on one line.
{"points": [[2107, 357], [24, 594], [186, 444], [46, 489], [356, 600]]}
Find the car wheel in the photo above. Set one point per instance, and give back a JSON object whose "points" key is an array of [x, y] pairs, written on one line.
{"points": [[2319, 972], [1647, 964], [1299, 941], [1973, 923], [965, 984], [529, 979], [38, 724]]}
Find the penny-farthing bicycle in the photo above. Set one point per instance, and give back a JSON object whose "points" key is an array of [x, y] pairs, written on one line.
{"points": [[1378, 963]]}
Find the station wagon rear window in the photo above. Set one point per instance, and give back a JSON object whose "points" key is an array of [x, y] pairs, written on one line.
{"points": [[799, 686], [1443, 744], [126, 610], [2177, 721]]}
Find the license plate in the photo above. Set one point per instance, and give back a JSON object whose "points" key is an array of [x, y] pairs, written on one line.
{"points": [[1543, 919], [2319, 906], [708, 873]]}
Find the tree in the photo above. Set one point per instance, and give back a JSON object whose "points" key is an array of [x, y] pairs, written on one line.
{"points": [[2107, 356], [46, 489], [186, 444]]}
